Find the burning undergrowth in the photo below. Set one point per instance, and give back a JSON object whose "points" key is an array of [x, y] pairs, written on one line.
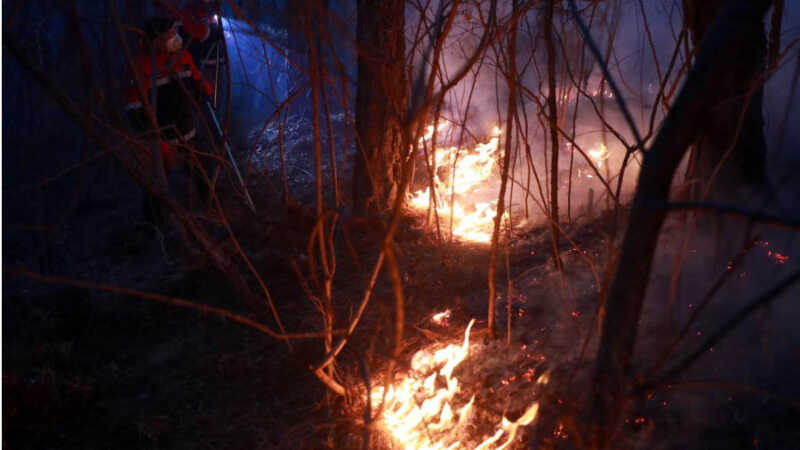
{"points": [[464, 197], [464, 393], [459, 190]]}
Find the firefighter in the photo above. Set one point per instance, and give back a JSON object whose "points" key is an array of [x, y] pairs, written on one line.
{"points": [[165, 65], [201, 27]]}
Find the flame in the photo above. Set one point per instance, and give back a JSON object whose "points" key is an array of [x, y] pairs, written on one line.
{"points": [[599, 154], [419, 411], [429, 130], [466, 170], [441, 318]]}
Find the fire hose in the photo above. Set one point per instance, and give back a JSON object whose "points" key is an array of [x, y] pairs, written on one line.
{"points": [[212, 112], [224, 141]]}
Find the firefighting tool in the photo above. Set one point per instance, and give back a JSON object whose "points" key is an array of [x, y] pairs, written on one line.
{"points": [[224, 141]]}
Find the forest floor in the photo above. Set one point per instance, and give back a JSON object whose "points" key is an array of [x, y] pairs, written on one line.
{"points": [[89, 369], [93, 369]]}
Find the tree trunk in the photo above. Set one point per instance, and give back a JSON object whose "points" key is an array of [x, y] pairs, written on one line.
{"points": [[511, 112], [739, 24], [552, 116], [731, 142], [380, 102]]}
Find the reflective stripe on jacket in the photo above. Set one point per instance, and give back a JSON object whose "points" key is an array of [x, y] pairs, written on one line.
{"points": [[169, 67]]}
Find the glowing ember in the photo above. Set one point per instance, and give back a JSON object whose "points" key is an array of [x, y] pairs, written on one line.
{"points": [[442, 318], [778, 257], [462, 172], [420, 410], [599, 154]]}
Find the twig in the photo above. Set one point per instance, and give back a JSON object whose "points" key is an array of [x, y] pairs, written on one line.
{"points": [[168, 300], [501, 196], [607, 74], [368, 403], [361, 307], [761, 301], [700, 308], [730, 210]]}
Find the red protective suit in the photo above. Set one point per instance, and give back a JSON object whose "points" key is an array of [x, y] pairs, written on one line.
{"points": [[173, 108], [169, 67]]}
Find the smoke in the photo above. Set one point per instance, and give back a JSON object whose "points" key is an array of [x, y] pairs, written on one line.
{"points": [[641, 43], [260, 74], [588, 111], [639, 40]]}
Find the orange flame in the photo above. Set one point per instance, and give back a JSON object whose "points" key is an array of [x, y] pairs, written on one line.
{"points": [[469, 169], [419, 412], [441, 318], [599, 154]]}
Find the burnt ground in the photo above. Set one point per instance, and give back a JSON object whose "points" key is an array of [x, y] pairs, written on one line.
{"points": [[92, 369], [85, 368]]}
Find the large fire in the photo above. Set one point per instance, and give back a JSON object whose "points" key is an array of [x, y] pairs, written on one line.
{"points": [[421, 410], [461, 173]]}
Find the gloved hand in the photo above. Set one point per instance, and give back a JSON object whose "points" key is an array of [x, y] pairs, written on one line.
{"points": [[205, 88]]}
